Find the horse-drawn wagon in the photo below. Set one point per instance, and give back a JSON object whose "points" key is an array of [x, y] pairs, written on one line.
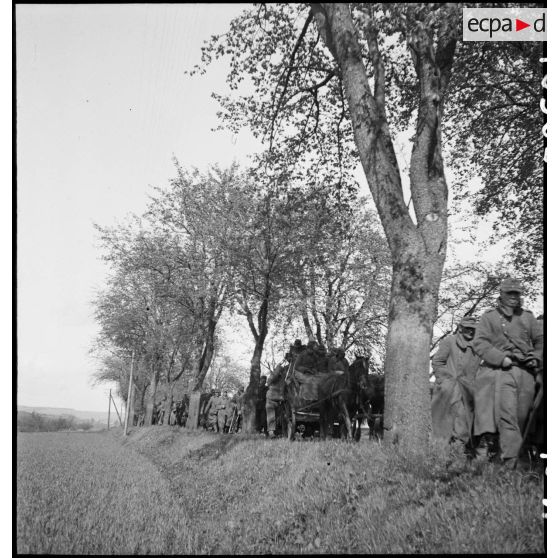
{"points": [[329, 403]]}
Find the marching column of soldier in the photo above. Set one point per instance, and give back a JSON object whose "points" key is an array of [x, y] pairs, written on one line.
{"points": [[489, 380], [488, 384]]}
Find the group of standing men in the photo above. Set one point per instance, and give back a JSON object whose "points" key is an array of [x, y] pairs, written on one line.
{"points": [[487, 376], [220, 413]]}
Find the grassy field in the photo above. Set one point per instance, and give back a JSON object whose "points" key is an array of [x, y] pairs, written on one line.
{"points": [[167, 491]]}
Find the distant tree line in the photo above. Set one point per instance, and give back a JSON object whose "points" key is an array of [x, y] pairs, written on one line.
{"points": [[36, 422]]}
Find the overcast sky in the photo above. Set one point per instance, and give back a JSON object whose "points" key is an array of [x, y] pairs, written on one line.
{"points": [[103, 105]]}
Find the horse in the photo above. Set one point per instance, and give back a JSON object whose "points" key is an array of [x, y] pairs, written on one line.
{"points": [[343, 395]]}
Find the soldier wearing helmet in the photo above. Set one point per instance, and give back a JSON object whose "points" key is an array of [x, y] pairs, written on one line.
{"points": [[275, 393], [337, 363], [455, 365], [510, 341]]}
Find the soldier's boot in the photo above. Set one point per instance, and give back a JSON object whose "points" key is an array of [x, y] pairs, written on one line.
{"points": [[484, 451], [482, 454], [492, 446]]}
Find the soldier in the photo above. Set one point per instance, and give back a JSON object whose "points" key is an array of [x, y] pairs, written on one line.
{"points": [[296, 348], [229, 412], [237, 397], [222, 412], [212, 409], [535, 435], [275, 392], [306, 361], [510, 341], [173, 414], [155, 415], [337, 363], [261, 418], [455, 365], [239, 402], [161, 417]]}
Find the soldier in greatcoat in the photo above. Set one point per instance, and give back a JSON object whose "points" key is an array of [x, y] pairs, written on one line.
{"points": [[275, 393], [261, 417], [510, 341], [222, 412], [455, 365]]}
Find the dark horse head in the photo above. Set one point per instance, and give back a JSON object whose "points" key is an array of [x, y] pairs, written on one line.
{"points": [[340, 395], [358, 373]]}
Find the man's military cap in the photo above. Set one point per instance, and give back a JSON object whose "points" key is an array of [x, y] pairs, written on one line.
{"points": [[511, 284], [467, 321]]}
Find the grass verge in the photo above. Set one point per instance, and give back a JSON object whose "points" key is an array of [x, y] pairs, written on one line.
{"points": [[165, 490]]}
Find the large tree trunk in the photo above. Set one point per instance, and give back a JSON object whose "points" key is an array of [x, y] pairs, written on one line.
{"points": [[306, 319], [169, 404], [152, 394], [418, 250], [407, 420], [260, 334], [206, 356], [249, 418], [142, 400], [193, 410]]}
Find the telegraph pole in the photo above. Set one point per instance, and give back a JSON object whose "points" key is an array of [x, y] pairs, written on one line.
{"points": [[108, 420], [129, 395], [116, 409]]}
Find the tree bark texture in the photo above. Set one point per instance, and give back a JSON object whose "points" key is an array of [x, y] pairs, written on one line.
{"points": [[152, 394], [170, 401], [206, 356], [249, 418]]}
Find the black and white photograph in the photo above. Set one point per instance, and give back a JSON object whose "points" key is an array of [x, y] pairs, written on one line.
{"points": [[281, 278]]}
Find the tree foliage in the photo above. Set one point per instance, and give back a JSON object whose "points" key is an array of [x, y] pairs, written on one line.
{"points": [[286, 88]]}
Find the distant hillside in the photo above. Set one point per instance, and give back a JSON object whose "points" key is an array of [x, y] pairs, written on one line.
{"points": [[58, 411]]}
